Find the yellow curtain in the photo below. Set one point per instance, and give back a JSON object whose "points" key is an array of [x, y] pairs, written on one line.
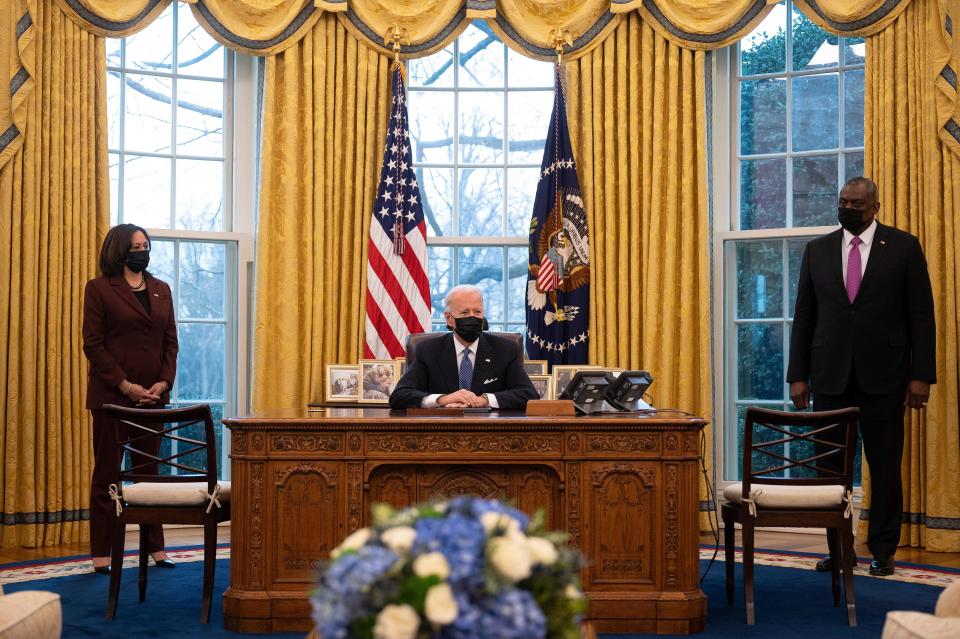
{"points": [[947, 67], [636, 108], [919, 180], [325, 115], [843, 17], [17, 60], [112, 18], [53, 212], [256, 27]]}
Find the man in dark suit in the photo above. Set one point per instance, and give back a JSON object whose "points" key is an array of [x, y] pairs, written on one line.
{"points": [[863, 335], [467, 368]]}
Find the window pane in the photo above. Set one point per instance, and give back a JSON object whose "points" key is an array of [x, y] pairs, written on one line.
{"points": [[161, 261], [764, 50], [432, 71], [152, 48], [853, 108], [113, 108], [521, 189], [815, 191], [529, 118], [202, 283], [763, 194], [795, 250], [146, 191], [527, 72], [855, 51], [481, 127], [482, 266], [147, 113], [815, 112], [763, 116], [431, 126], [200, 195], [114, 48], [481, 57], [481, 202], [516, 283], [759, 279], [114, 162], [759, 461], [200, 118], [201, 361], [760, 361], [440, 272], [198, 459], [197, 52], [853, 165], [436, 196], [813, 48]]}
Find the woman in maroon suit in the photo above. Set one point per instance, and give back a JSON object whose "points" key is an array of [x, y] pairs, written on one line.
{"points": [[130, 338]]}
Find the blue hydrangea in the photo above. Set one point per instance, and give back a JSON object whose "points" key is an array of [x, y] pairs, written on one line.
{"points": [[474, 507], [510, 614], [343, 591], [461, 540]]}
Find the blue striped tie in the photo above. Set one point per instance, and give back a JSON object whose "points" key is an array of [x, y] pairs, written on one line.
{"points": [[466, 370]]}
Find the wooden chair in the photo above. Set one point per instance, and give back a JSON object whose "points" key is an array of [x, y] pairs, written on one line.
{"points": [[194, 497], [773, 443]]}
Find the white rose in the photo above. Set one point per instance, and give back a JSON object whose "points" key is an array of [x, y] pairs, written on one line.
{"points": [[431, 563], [396, 622], [354, 542], [510, 557], [542, 551], [572, 593], [493, 520], [399, 539], [440, 607]]}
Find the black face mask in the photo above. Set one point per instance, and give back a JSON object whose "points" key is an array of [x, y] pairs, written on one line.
{"points": [[850, 219], [138, 260], [469, 328]]}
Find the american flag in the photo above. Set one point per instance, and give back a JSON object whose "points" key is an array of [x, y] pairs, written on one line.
{"points": [[398, 292]]}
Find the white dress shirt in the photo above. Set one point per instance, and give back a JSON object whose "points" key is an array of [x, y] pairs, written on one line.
{"points": [[866, 237], [430, 401]]}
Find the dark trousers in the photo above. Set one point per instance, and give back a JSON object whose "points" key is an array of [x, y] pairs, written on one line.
{"points": [[106, 470], [881, 430]]}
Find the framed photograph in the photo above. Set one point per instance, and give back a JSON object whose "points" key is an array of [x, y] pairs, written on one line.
{"points": [[342, 382], [543, 385], [402, 363], [378, 377], [535, 367], [562, 374]]}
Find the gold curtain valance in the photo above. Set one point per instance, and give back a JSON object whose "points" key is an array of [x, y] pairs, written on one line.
{"points": [[946, 56], [113, 18], [17, 62], [855, 19]]}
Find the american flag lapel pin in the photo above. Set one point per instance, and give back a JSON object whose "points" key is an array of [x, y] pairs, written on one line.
{"points": [[882, 242], [486, 359]]}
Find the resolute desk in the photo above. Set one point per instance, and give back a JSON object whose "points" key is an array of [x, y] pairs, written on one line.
{"points": [[623, 487]]}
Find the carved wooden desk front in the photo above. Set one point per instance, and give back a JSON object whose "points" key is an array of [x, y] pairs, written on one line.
{"points": [[623, 487]]}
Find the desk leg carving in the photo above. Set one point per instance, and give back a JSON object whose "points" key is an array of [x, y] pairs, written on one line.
{"points": [[354, 496], [573, 504]]}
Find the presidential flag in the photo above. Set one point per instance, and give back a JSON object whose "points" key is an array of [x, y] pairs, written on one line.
{"points": [[398, 293], [558, 284]]}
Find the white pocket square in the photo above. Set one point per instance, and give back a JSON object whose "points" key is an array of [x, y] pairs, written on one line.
{"points": [[491, 380]]}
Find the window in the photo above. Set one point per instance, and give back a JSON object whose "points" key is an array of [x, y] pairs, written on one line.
{"points": [[171, 115], [796, 134], [479, 114]]}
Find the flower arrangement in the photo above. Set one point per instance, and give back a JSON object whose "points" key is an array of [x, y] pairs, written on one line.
{"points": [[468, 568]]}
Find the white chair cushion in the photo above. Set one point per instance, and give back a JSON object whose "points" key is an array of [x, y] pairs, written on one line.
{"points": [[787, 497], [161, 494], [948, 603], [30, 614], [902, 624]]}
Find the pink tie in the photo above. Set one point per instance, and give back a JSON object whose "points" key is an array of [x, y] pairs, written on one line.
{"points": [[854, 272]]}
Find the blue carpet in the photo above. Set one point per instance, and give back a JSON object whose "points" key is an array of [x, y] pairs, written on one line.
{"points": [[790, 603]]}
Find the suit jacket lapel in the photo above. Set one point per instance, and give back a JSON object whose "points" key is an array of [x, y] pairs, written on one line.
{"points": [[484, 361], [123, 291], [836, 262], [876, 255], [449, 366]]}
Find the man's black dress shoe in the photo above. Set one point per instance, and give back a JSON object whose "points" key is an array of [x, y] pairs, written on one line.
{"points": [[882, 566], [102, 570], [164, 563], [824, 565]]}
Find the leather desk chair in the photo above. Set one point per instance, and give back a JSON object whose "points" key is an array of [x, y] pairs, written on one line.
{"points": [[417, 338]]}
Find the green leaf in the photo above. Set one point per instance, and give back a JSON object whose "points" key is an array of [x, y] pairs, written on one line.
{"points": [[413, 590]]}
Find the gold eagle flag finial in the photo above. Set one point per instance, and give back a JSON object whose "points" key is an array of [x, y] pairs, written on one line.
{"points": [[396, 37], [560, 37]]}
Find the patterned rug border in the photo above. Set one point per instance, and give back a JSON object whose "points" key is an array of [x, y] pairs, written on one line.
{"points": [[76, 565]]}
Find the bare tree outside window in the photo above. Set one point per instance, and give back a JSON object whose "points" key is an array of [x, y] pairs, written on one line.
{"points": [[479, 115]]}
